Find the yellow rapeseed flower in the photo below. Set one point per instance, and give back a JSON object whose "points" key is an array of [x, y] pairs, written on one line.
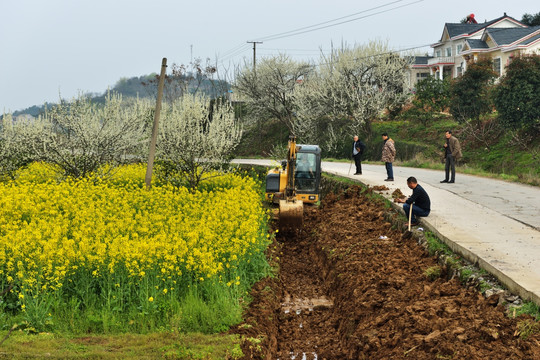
{"points": [[117, 231]]}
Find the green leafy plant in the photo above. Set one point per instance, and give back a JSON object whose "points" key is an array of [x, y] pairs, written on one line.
{"points": [[516, 97], [470, 94]]}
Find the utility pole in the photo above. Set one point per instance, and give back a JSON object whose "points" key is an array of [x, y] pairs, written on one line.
{"points": [[153, 140], [254, 50]]}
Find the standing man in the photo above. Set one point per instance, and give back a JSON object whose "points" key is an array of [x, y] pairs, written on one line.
{"points": [[419, 200], [357, 151], [388, 155], [452, 153]]}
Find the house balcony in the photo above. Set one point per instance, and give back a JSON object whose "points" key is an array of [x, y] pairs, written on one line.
{"points": [[445, 60]]}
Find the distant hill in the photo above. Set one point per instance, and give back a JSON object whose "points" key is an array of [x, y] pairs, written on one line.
{"points": [[141, 86]]}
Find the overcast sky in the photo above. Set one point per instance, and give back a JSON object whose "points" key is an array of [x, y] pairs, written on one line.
{"points": [[52, 47]]}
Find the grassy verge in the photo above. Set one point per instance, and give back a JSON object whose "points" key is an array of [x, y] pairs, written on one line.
{"points": [[164, 345]]}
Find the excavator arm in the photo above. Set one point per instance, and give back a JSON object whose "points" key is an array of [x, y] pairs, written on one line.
{"points": [[291, 210]]}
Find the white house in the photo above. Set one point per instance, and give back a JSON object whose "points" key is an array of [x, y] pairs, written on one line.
{"points": [[500, 39]]}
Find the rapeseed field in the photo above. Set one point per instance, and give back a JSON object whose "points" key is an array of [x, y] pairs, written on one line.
{"points": [[108, 255]]}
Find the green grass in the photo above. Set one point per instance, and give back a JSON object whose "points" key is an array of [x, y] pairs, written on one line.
{"points": [[529, 308], [436, 246], [163, 345], [342, 180]]}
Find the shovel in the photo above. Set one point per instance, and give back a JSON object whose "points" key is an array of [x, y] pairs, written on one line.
{"points": [[407, 234], [350, 166]]}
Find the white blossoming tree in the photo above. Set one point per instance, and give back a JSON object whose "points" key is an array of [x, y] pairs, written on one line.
{"points": [[15, 150], [350, 88], [80, 136], [196, 137], [270, 88]]}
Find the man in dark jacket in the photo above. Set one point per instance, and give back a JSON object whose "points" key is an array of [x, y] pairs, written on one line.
{"points": [[358, 148], [419, 200]]}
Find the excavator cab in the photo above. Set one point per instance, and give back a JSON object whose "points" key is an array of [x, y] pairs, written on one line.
{"points": [[307, 173], [296, 182]]}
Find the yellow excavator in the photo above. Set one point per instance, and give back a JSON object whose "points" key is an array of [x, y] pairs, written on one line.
{"points": [[294, 183]]}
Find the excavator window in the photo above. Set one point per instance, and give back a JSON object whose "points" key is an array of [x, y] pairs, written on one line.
{"points": [[305, 171]]}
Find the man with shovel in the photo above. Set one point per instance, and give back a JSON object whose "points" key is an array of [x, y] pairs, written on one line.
{"points": [[419, 200]]}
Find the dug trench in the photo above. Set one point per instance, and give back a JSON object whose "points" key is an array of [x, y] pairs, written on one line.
{"points": [[350, 286]]}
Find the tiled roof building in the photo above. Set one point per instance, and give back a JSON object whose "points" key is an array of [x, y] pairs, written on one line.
{"points": [[500, 39]]}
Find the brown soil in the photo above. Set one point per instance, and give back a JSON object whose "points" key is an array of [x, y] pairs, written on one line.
{"points": [[397, 194], [349, 287]]}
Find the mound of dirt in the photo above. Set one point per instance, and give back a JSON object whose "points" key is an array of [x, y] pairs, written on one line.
{"points": [[350, 287], [397, 194]]}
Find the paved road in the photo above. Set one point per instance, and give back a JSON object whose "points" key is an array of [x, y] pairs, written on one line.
{"points": [[492, 223]]}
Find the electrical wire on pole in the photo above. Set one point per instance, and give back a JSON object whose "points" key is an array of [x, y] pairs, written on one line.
{"points": [[254, 50]]}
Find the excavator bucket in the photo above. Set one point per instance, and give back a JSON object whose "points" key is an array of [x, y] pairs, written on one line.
{"points": [[291, 215]]}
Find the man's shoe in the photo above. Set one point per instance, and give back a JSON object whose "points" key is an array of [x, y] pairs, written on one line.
{"points": [[451, 182], [444, 181], [357, 173], [388, 179], [415, 223]]}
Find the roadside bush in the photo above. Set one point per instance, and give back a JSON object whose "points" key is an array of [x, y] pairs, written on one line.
{"points": [[517, 97], [432, 94], [471, 94]]}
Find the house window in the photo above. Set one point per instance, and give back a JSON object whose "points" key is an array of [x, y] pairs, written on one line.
{"points": [[459, 47], [438, 53], [448, 51], [422, 75], [497, 65]]}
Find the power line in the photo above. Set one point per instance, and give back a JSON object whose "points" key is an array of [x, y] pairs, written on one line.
{"points": [[376, 55], [305, 50], [234, 49], [327, 22], [241, 47], [302, 31]]}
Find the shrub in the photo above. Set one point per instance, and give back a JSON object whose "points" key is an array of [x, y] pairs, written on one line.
{"points": [[470, 95], [432, 94], [517, 97]]}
